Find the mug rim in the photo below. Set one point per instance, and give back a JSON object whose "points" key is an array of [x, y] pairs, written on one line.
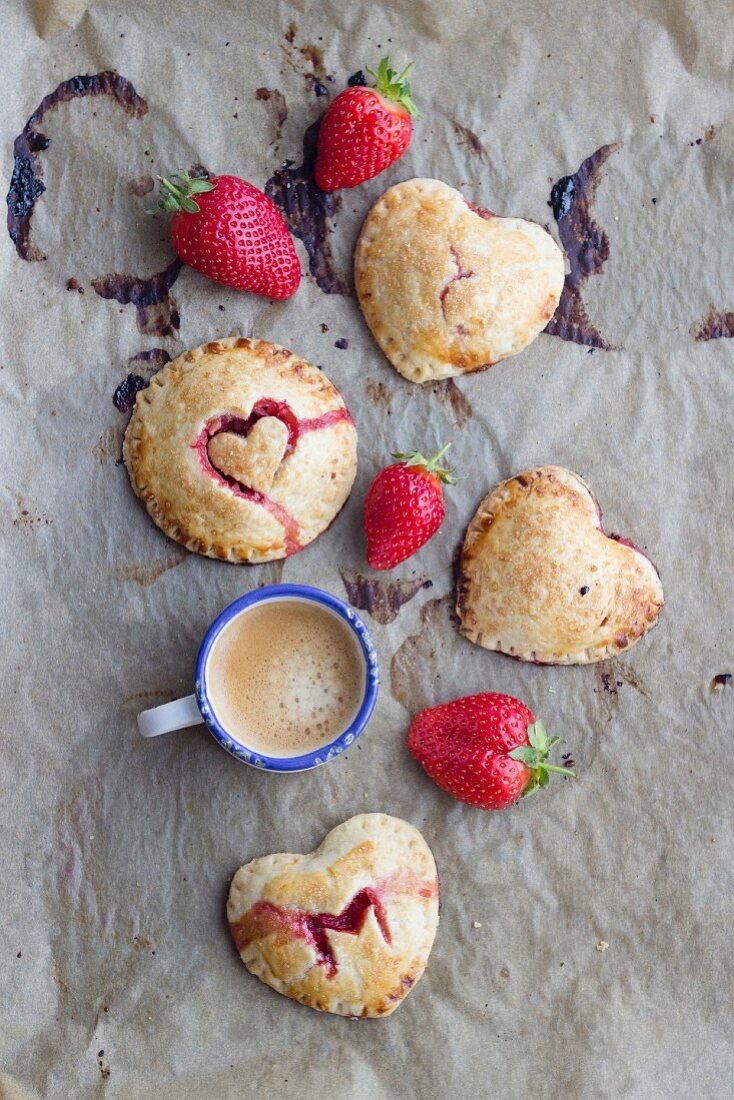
{"points": [[331, 749]]}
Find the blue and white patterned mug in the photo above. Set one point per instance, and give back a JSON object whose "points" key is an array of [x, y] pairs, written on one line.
{"points": [[199, 707]]}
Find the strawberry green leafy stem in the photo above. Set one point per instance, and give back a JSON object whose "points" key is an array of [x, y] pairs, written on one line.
{"points": [[394, 86], [535, 756], [176, 193], [415, 458]]}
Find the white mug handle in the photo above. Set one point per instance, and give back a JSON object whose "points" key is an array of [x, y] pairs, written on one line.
{"points": [[175, 715]]}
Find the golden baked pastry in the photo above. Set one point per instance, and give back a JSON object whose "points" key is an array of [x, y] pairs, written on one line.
{"points": [[347, 929], [241, 451], [539, 578], [448, 288]]}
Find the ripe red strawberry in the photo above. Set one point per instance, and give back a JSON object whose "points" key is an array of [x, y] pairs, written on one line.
{"points": [[365, 130], [229, 231], [486, 750], [404, 507]]}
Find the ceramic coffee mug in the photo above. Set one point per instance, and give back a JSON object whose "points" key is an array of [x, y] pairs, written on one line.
{"points": [[200, 707]]}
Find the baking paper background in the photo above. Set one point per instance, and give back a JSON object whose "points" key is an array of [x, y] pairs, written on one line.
{"points": [[118, 976]]}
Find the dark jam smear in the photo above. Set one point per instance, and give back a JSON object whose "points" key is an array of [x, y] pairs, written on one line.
{"points": [[381, 599], [157, 313], [716, 325], [587, 248], [279, 105], [307, 211], [306, 60], [449, 394], [124, 396], [150, 361], [26, 184], [468, 138]]}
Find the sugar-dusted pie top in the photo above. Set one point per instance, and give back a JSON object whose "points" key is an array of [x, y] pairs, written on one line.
{"points": [[347, 929], [540, 580], [241, 451], [447, 288]]}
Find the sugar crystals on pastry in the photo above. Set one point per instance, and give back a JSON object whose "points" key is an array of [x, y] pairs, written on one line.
{"points": [[539, 579], [241, 451], [347, 929], [448, 288]]}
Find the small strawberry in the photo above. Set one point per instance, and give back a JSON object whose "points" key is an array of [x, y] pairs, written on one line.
{"points": [[229, 231], [486, 750], [404, 507], [365, 130]]}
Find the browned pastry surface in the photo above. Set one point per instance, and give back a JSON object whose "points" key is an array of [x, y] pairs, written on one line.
{"points": [[242, 451], [448, 289], [540, 580], [347, 929]]}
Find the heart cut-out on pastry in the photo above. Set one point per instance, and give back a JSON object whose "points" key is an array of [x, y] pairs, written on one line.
{"points": [[242, 451], [449, 289], [539, 579], [347, 929], [252, 459]]}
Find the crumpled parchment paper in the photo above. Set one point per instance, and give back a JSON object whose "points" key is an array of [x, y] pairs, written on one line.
{"points": [[118, 976]]}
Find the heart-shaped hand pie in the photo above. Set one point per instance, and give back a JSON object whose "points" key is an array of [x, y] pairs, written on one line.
{"points": [[540, 580], [241, 451], [347, 929], [447, 288]]}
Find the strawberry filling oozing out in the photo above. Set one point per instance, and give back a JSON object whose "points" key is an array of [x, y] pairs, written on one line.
{"points": [[242, 426], [265, 919], [460, 274], [480, 210], [619, 538]]}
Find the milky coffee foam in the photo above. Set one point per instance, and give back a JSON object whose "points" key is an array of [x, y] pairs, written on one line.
{"points": [[285, 677]]}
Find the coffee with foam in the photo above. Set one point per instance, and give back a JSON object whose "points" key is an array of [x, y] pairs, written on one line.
{"points": [[286, 677]]}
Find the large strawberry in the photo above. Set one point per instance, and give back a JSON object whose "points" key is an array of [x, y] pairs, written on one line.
{"points": [[404, 507], [486, 750], [365, 130], [229, 231]]}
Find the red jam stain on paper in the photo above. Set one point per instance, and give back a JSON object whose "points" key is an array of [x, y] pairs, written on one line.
{"points": [[289, 924], [378, 394], [381, 599], [587, 249], [157, 312], [308, 212], [280, 109], [142, 366], [449, 394], [141, 185], [716, 325], [146, 573], [26, 518], [26, 185], [307, 60], [415, 670], [469, 139]]}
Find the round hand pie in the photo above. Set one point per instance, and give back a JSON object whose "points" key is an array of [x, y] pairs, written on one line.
{"points": [[539, 578], [239, 450], [347, 929], [448, 288]]}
